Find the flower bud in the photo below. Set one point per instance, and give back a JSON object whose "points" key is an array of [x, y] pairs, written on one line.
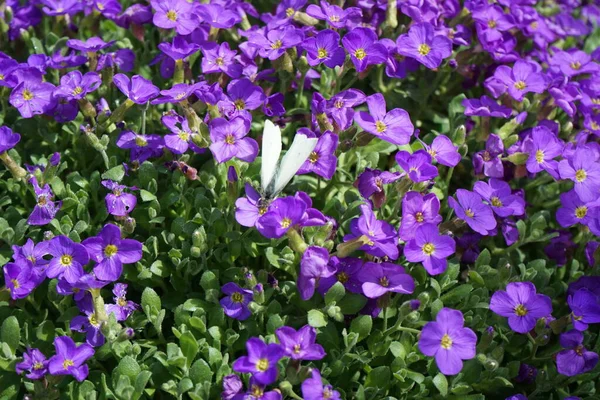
{"points": [[129, 225]]}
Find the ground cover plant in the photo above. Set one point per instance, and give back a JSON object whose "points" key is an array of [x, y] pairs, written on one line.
{"points": [[430, 231]]}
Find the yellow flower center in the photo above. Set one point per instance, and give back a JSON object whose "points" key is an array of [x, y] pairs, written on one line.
{"points": [[383, 281], [27, 95], [469, 213], [520, 85], [289, 12], [424, 49], [520, 310], [229, 139], [184, 136], [446, 342], [322, 53], [297, 349], [534, 25], [172, 15], [141, 142], [539, 156], [576, 65], [314, 157], [78, 90], [240, 104], [596, 101], [579, 350], [100, 6], [219, 61], [581, 212], [66, 260], [42, 200], [419, 217], [491, 24], [38, 365], [594, 125], [340, 103], [110, 250], [496, 202], [1, 77], [262, 364], [276, 45], [334, 18], [432, 153], [68, 363], [487, 156], [380, 126], [428, 249], [32, 259], [342, 277], [256, 391], [360, 54], [121, 302], [93, 320], [237, 297], [180, 96], [262, 210], [15, 283], [327, 393], [285, 223], [580, 175]]}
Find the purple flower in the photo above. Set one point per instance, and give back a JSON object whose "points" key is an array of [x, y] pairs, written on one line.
{"points": [[585, 308], [118, 202], [325, 48], [394, 126], [181, 137], [220, 58], [521, 305], [142, 147], [249, 209], [274, 105], [179, 48], [473, 211], [32, 97], [379, 278], [256, 391], [88, 324], [370, 183], [364, 50], [45, 209], [70, 359], [382, 236], [282, 215], [340, 106], [245, 95], [574, 62], [584, 171], [499, 196], [33, 253], [34, 362], [75, 85], [521, 79], [448, 341], [314, 389], [275, 42], [430, 248], [229, 140], [68, 259], [218, 16], [527, 374], [417, 165], [178, 93], [21, 278], [418, 210], [177, 14], [111, 252], [346, 272], [138, 89], [489, 161], [233, 388], [122, 308], [8, 139], [91, 45], [322, 161], [334, 15], [422, 44], [313, 266], [300, 345], [543, 148], [573, 210], [261, 360], [235, 304], [443, 151], [491, 20], [485, 107], [575, 359]]}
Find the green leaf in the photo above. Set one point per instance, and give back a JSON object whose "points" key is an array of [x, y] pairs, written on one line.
{"points": [[115, 173], [352, 303], [378, 377], [140, 383], [518, 158], [335, 293], [150, 302], [441, 384], [457, 294], [146, 195], [200, 372], [10, 332], [129, 367], [316, 319], [484, 258], [189, 347], [362, 325]]}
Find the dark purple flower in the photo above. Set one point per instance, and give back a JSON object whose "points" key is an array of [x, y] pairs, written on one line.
{"points": [[229, 140], [138, 89], [275, 42], [334, 15], [175, 14], [574, 62], [218, 16], [45, 209], [110, 252], [590, 251], [443, 151], [346, 272], [8, 139], [21, 278], [448, 341], [142, 147], [220, 58], [179, 48], [473, 211], [575, 359], [418, 210], [91, 45], [313, 266], [364, 49], [543, 147], [393, 126], [89, 325], [417, 165], [256, 391], [489, 161], [283, 214], [585, 308], [122, 308], [314, 389], [118, 202], [573, 210], [583, 169], [32, 97], [325, 48], [322, 161], [300, 345], [485, 107], [371, 181], [521, 305], [245, 95], [521, 79], [178, 93], [274, 105], [430, 248], [235, 304], [261, 360], [422, 44], [249, 209], [75, 85], [34, 362], [382, 236], [491, 20], [70, 359], [527, 373], [499, 196], [68, 259], [379, 278], [340, 106]]}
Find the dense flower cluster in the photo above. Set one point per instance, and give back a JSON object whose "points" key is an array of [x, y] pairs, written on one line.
{"points": [[429, 228]]}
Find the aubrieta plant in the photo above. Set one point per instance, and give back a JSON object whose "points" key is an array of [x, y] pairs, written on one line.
{"points": [[303, 199]]}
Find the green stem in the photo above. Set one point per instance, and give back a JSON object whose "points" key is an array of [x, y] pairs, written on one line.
{"points": [[15, 169]]}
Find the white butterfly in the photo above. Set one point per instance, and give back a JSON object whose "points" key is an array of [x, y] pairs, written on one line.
{"points": [[273, 176]]}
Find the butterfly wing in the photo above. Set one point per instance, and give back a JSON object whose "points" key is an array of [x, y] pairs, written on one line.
{"points": [[293, 160], [271, 150]]}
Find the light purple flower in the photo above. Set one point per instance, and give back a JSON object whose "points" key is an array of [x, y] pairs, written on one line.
{"points": [[45, 209], [122, 308], [443, 151], [543, 148], [584, 170], [220, 58], [418, 210], [380, 278], [8, 139], [314, 389], [489, 161], [138, 89], [177, 14], [485, 107], [521, 79], [473, 211], [235, 303], [32, 97], [229, 139], [382, 236], [313, 266], [393, 126], [261, 360], [75, 85], [70, 359], [430, 248], [417, 165], [521, 305], [422, 44], [364, 49], [118, 202], [499, 196], [324, 48], [34, 362], [301, 344], [282, 215], [322, 161]]}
